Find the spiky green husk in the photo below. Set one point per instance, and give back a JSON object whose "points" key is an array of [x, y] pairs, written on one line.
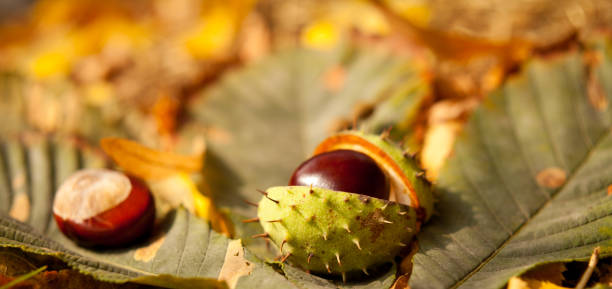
{"points": [[326, 231], [408, 182]]}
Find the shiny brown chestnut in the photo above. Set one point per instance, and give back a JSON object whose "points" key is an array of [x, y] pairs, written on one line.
{"points": [[343, 170], [103, 208]]}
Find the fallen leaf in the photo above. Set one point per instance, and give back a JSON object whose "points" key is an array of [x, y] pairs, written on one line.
{"points": [[165, 111], [450, 44], [147, 163], [552, 272], [180, 190], [216, 30], [170, 193], [489, 196], [438, 145], [321, 34], [401, 283], [518, 283], [207, 210]]}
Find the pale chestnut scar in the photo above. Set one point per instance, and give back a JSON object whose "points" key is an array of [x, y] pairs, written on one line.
{"points": [[90, 192]]}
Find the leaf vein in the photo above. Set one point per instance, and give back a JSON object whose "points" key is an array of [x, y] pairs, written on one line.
{"points": [[600, 139], [547, 128]]}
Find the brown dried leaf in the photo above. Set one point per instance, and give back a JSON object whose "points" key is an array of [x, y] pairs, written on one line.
{"points": [[165, 111], [552, 272], [66, 279], [148, 163], [452, 45], [605, 269], [401, 283]]}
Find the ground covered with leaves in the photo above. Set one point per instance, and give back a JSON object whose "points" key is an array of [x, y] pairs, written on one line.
{"points": [[506, 106]]}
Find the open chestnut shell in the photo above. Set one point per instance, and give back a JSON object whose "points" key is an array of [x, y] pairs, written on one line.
{"points": [[103, 208], [355, 204], [407, 181]]}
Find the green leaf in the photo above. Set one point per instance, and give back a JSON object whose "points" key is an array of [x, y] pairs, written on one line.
{"points": [[284, 95], [184, 252], [266, 275], [304, 280], [528, 179], [191, 254], [263, 121]]}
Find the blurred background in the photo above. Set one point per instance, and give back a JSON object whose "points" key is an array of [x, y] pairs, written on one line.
{"points": [[138, 63]]}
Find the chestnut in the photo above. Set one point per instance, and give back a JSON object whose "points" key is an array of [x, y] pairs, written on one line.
{"points": [[343, 170], [103, 208]]}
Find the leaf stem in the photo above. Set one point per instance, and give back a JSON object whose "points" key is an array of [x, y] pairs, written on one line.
{"points": [[589, 271]]}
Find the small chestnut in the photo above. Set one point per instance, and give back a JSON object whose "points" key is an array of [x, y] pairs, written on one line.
{"points": [[103, 208], [343, 170]]}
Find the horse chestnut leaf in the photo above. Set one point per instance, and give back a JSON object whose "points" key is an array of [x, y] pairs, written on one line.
{"points": [[103, 208], [343, 170]]}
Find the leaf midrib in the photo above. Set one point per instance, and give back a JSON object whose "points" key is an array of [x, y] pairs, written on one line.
{"points": [[534, 215]]}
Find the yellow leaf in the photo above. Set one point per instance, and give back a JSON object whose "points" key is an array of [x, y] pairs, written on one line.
{"points": [[98, 93], [171, 193], [357, 14], [213, 34], [321, 34], [49, 63], [217, 28], [180, 190], [205, 209], [147, 163], [401, 282], [165, 111], [519, 283], [415, 11], [438, 145]]}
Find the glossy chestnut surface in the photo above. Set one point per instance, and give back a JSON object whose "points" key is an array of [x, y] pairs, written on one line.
{"points": [[343, 170], [102, 208]]}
